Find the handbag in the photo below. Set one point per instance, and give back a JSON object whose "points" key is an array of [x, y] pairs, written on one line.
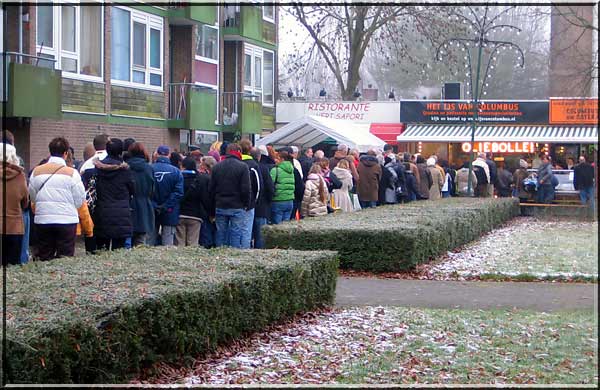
{"points": [[355, 202]]}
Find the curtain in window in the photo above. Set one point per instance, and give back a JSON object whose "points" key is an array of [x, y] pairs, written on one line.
{"points": [[91, 41], [257, 72], [68, 28], [268, 81], [120, 45], [45, 21], [139, 44]]}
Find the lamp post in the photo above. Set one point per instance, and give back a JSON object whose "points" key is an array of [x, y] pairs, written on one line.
{"points": [[483, 26]]}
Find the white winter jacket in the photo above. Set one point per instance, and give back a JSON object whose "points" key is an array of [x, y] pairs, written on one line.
{"points": [[61, 195]]}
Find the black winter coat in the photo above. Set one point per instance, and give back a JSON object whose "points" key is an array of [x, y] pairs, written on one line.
{"points": [[493, 171], [299, 184], [256, 179], [263, 206], [195, 202], [230, 184], [142, 214], [583, 176], [114, 189], [305, 163]]}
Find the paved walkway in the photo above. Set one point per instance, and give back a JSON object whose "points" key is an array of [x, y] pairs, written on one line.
{"points": [[466, 295]]}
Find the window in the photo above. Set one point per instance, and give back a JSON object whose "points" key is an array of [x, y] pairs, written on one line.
{"points": [[259, 73], [137, 41], [207, 42], [73, 36], [269, 13]]}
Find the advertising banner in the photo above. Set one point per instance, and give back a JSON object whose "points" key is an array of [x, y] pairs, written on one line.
{"points": [[358, 112], [460, 112], [574, 111]]}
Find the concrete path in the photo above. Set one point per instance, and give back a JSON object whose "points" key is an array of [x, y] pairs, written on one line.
{"points": [[466, 295]]}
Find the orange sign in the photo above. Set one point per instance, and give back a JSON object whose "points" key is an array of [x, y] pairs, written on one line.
{"points": [[574, 111], [499, 147]]}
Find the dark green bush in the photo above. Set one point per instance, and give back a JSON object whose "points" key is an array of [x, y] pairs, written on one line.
{"points": [[394, 238], [101, 319]]}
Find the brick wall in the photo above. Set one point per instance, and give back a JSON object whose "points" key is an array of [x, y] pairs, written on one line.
{"points": [[80, 132]]}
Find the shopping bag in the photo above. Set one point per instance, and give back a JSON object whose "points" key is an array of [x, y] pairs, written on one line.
{"points": [[355, 202]]}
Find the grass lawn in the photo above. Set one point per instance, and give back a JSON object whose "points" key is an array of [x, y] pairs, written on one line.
{"points": [[402, 345], [529, 248]]}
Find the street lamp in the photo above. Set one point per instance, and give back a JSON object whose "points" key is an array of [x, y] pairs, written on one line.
{"points": [[482, 27]]}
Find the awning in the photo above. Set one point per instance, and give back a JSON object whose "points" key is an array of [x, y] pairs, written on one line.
{"points": [[311, 130], [387, 132], [461, 133]]}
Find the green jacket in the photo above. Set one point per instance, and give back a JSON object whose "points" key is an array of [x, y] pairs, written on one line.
{"points": [[283, 179]]}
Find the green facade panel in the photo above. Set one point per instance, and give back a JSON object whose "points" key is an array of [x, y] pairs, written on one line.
{"points": [[202, 109], [252, 118], [251, 22], [34, 92], [206, 14]]}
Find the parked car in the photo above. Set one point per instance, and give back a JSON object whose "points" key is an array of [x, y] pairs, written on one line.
{"points": [[565, 182]]}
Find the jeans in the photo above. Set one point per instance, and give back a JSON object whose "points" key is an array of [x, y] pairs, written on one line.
{"points": [[207, 234], [259, 222], [127, 243], [230, 226], [25, 242], [587, 195], [545, 193], [445, 194], [167, 235], [247, 229], [281, 211], [365, 204]]}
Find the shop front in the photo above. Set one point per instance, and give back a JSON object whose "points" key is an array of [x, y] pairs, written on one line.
{"points": [[509, 130]]}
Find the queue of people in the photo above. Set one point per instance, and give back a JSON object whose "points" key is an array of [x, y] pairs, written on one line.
{"points": [[121, 197]]}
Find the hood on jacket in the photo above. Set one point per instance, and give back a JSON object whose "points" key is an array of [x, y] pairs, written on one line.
{"points": [[137, 164], [342, 173], [110, 167], [287, 166], [314, 176], [10, 171], [369, 161]]}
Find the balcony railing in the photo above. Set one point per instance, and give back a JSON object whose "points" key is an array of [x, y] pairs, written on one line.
{"points": [[195, 106], [232, 106], [22, 58]]}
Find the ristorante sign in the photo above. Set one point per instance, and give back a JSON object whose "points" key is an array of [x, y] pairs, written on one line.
{"points": [[455, 112]]}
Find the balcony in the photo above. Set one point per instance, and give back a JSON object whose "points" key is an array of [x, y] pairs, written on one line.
{"points": [[245, 21], [27, 74], [192, 107], [182, 14], [242, 112]]}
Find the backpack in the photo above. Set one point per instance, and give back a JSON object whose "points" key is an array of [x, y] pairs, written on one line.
{"points": [[480, 175]]}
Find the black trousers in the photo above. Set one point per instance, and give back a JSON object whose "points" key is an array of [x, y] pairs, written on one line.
{"points": [[103, 243], [11, 248], [55, 240]]}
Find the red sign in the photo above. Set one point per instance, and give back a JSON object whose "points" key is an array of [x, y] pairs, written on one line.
{"points": [[387, 132], [499, 147]]}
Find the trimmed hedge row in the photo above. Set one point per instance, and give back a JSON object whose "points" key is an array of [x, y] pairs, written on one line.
{"points": [[101, 319], [398, 237]]}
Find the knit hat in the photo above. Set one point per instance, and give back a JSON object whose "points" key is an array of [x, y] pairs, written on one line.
{"points": [[263, 150], [431, 162], [163, 150], [214, 154], [523, 164]]}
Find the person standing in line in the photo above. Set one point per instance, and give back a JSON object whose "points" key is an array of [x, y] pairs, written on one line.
{"points": [[504, 181], [462, 181], [57, 193], [482, 172], [194, 205], [412, 166], [341, 196], [230, 193], [389, 181], [13, 202], [99, 145], [314, 201], [256, 186], [114, 189], [262, 212], [306, 161], [519, 177], [340, 154], [284, 182], [369, 176], [168, 191], [545, 191], [437, 180], [208, 231], [142, 211], [318, 155], [411, 184], [583, 181], [493, 174], [426, 179]]}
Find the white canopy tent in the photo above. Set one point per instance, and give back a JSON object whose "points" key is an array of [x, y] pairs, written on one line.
{"points": [[311, 130]]}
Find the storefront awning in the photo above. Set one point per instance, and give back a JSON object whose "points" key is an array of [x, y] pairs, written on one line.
{"points": [[460, 133], [308, 131]]}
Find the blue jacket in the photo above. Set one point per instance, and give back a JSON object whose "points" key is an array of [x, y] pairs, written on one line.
{"points": [[168, 191]]}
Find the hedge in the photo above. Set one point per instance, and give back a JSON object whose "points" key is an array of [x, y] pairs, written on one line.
{"points": [[397, 237], [101, 319]]}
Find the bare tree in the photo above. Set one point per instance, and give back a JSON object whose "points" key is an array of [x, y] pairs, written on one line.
{"points": [[342, 34]]}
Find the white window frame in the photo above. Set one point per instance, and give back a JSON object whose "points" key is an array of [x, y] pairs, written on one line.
{"points": [[207, 59], [257, 52], [151, 22], [58, 53], [212, 61], [266, 18]]}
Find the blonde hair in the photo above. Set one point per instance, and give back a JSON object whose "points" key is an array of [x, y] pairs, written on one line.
{"points": [[9, 154], [344, 164], [316, 168], [216, 146]]}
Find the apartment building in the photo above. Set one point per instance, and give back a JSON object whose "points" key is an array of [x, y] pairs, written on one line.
{"points": [[179, 75]]}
